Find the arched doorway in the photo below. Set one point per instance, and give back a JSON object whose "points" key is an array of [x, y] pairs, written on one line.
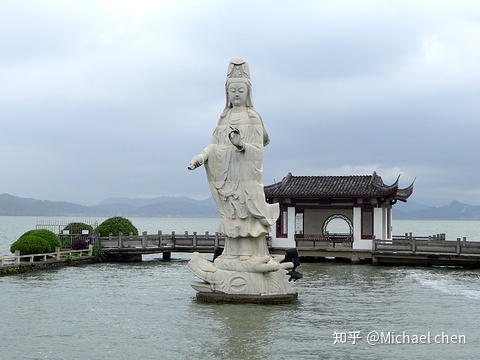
{"points": [[338, 227]]}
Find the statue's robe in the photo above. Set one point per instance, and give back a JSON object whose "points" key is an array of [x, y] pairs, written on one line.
{"points": [[235, 176]]}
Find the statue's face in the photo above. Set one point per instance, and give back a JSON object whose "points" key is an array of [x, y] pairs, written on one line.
{"points": [[237, 94]]}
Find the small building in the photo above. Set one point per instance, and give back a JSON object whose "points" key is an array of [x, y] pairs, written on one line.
{"points": [[312, 208]]}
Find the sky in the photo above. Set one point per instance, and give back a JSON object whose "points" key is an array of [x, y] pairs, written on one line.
{"points": [[113, 98]]}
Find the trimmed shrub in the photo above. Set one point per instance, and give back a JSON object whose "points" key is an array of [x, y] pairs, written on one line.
{"points": [[47, 235], [77, 228], [79, 244], [30, 244], [116, 225]]}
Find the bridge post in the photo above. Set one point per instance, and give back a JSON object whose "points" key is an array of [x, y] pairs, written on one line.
{"points": [[216, 240], [459, 246], [17, 257], [144, 239], [414, 245], [160, 238], [173, 238], [120, 240], [194, 239], [354, 258]]}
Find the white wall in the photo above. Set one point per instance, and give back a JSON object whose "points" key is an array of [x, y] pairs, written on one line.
{"points": [[379, 228], [358, 243], [387, 219], [378, 223], [288, 242]]}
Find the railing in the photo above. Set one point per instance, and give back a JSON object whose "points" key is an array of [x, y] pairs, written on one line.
{"points": [[67, 240], [167, 241], [409, 236], [58, 227], [435, 244], [16, 259], [160, 240], [321, 241]]}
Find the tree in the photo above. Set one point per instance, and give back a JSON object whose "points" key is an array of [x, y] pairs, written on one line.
{"points": [[50, 237], [77, 228], [30, 244], [116, 225]]}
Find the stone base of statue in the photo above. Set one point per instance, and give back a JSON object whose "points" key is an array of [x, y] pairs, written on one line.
{"points": [[243, 278], [216, 297]]}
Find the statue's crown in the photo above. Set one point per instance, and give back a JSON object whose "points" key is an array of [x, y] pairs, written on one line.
{"points": [[238, 69]]}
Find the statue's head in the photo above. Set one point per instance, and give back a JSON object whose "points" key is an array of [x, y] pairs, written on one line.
{"points": [[238, 92], [238, 77]]}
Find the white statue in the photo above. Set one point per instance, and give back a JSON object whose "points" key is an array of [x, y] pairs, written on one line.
{"points": [[233, 162]]}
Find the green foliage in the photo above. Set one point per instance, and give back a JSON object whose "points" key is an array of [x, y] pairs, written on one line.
{"points": [[77, 227], [116, 225], [47, 235], [30, 244], [99, 255], [9, 270], [68, 259]]}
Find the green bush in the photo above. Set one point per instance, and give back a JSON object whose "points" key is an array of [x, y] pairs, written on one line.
{"points": [[116, 225], [77, 227], [30, 244], [47, 235], [99, 255]]}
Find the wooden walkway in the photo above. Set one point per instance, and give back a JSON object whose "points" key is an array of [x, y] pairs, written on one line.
{"points": [[131, 247], [321, 247], [406, 250], [427, 251], [10, 264], [401, 250]]}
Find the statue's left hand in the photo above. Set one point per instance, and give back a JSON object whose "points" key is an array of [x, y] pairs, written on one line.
{"points": [[236, 139]]}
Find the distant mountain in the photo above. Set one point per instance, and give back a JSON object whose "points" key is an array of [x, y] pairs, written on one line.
{"points": [[168, 206], [140, 202], [409, 206], [165, 206], [158, 207], [453, 211], [13, 205]]}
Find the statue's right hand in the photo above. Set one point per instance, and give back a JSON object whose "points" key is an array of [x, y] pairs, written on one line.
{"points": [[196, 162]]}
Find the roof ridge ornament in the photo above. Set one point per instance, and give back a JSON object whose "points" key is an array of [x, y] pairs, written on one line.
{"points": [[376, 180], [286, 179]]}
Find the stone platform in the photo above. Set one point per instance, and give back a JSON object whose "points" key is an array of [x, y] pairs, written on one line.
{"points": [[217, 297]]}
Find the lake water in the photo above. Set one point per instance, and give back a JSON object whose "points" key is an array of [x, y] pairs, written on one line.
{"points": [[148, 310]]}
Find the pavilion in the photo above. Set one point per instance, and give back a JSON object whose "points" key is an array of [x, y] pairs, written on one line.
{"points": [[312, 208]]}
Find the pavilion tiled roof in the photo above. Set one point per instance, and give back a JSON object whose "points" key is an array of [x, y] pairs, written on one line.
{"points": [[353, 186]]}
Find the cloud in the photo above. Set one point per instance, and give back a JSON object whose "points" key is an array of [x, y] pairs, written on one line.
{"points": [[113, 98]]}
